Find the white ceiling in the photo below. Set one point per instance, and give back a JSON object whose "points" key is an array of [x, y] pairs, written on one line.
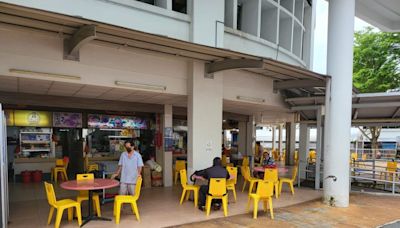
{"points": [[384, 14], [44, 87]]}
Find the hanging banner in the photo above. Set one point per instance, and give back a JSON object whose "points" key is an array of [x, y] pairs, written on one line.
{"points": [[67, 119], [9, 117], [115, 122], [27, 118]]}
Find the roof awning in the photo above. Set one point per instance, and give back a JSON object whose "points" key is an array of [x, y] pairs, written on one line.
{"points": [[291, 80], [367, 108]]}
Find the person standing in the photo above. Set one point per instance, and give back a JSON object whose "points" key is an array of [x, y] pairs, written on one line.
{"points": [[130, 168]]}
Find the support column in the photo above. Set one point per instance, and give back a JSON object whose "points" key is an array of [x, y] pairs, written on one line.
{"points": [[207, 26], [280, 140], [204, 117], [304, 148], [290, 142], [167, 156], [273, 138], [318, 149], [340, 68], [251, 138], [242, 137]]}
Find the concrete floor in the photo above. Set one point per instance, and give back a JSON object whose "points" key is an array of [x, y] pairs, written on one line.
{"points": [[158, 207], [364, 211]]}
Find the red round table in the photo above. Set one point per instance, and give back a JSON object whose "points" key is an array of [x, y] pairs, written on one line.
{"points": [[90, 185]]}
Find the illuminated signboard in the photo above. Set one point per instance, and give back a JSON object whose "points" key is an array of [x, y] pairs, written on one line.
{"points": [[67, 119], [25, 118], [115, 122]]}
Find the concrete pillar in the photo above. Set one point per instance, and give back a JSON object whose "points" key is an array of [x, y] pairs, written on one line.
{"points": [[251, 138], [318, 149], [280, 139], [207, 26], [167, 156], [273, 137], [204, 114], [290, 142], [340, 68], [304, 147], [242, 137]]}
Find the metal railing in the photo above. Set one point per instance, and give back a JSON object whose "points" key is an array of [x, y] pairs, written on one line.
{"points": [[366, 172]]}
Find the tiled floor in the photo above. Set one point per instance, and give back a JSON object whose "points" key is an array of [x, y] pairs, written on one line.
{"points": [[364, 211], [158, 207]]}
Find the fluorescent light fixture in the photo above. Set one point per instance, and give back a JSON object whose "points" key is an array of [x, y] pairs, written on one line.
{"points": [[44, 74], [251, 99], [141, 86]]}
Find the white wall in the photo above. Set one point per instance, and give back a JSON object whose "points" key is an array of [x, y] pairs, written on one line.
{"points": [[125, 13], [256, 86], [99, 65], [246, 43], [207, 22]]}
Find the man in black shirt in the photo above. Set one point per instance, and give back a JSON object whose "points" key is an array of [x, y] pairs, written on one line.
{"points": [[216, 171]]}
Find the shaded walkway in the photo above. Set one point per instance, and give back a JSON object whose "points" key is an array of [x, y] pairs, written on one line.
{"points": [[364, 211]]}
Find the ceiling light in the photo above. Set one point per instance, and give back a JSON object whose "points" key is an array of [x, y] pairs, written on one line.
{"points": [[141, 86], [43, 74], [251, 99]]}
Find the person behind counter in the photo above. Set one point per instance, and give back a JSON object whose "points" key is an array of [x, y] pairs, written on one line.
{"points": [[215, 171], [130, 167]]}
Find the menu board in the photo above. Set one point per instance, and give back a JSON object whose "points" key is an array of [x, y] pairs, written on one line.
{"points": [[25, 118], [67, 119], [115, 122]]}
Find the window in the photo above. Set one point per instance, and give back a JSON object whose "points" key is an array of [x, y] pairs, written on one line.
{"points": [[179, 6]]}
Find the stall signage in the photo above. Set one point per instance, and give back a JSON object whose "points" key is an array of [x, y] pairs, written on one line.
{"points": [[9, 117], [32, 118], [67, 119], [115, 122]]}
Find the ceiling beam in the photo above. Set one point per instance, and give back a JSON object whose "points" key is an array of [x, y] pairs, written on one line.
{"points": [[290, 84], [82, 36], [377, 105], [396, 113], [233, 64]]}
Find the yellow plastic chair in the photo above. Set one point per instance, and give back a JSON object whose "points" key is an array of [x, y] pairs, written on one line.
{"points": [[296, 157], [60, 206], [264, 193], [179, 165], [271, 175], [312, 157], [217, 190], [248, 179], [290, 181], [121, 199], [231, 183], [61, 167], [186, 188], [84, 195], [245, 162], [391, 168]]}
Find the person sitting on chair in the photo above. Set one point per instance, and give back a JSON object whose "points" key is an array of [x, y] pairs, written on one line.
{"points": [[215, 171], [267, 160]]}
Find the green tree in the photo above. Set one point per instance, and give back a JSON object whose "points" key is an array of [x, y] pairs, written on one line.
{"points": [[376, 61], [376, 69]]}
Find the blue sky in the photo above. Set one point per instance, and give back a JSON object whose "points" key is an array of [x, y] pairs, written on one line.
{"points": [[321, 33]]}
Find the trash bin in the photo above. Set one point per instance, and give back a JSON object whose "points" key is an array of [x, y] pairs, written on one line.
{"points": [[37, 176], [26, 176]]}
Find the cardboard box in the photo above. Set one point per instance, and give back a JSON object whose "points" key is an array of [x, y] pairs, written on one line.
{"points": [[146, 177], [156, 179]]}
